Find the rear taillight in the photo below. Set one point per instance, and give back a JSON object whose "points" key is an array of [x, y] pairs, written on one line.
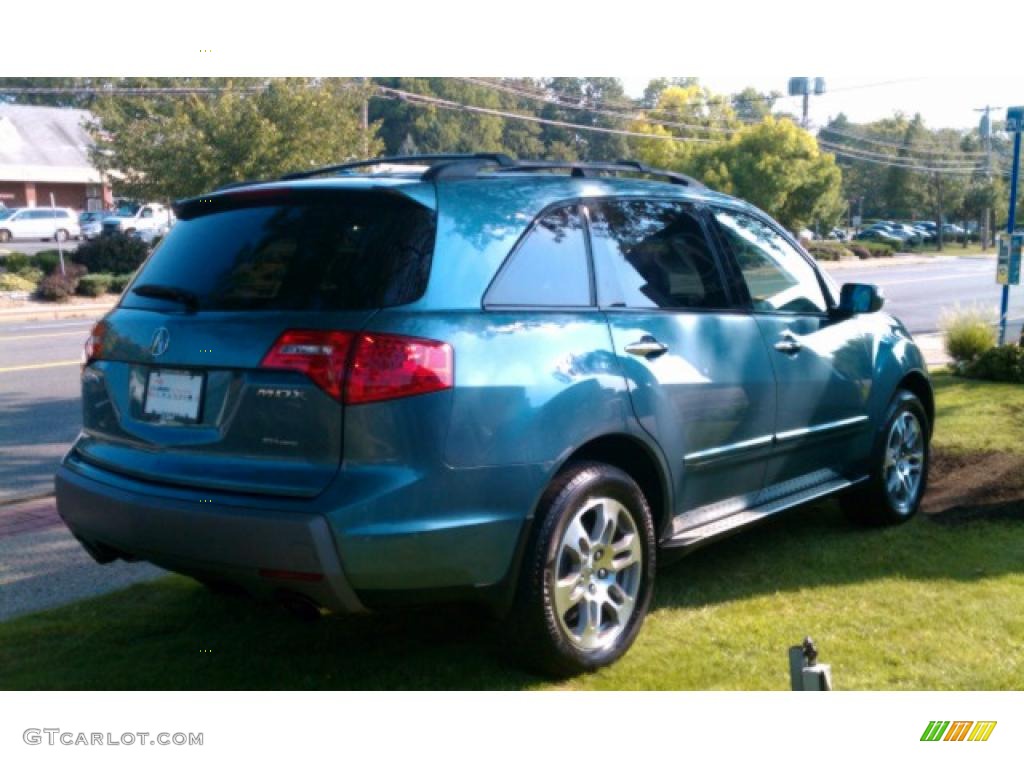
{"points": [[380, 366], [321, 355], [94, 344], [385, 367]]}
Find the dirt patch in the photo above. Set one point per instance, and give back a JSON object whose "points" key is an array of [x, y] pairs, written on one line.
{"points": [[975, 486]]}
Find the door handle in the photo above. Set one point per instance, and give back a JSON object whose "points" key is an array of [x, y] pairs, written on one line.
{"points": [[648, 347], [788, 343]]}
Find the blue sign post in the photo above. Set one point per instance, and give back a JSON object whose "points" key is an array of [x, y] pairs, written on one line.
{"points": [[1014, 125]]}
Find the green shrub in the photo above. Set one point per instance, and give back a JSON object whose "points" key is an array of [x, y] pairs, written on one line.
{"points": [[94, 285], [50, 260], [967, 333], [60, 287], [828, 250], [119, 282], [16, 261], [860, 251], [116, 253], [12, 282], [32, 274], [1005, 363], [878, 250]]}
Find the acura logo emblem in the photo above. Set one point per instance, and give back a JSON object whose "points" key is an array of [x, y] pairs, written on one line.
{"points": [[161, 338]]}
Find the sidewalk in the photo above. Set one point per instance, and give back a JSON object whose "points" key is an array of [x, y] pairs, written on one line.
{"points": [[903, 260], [932, 348], [52, 311], [43, 566]]}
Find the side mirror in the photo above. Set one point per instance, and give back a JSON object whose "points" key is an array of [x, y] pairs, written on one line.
{"points": [[860, 298]]}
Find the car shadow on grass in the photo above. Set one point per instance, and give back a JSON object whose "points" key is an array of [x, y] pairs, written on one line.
{"points": [[174, 634]]}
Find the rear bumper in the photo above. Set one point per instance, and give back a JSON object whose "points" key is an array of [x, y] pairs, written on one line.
{"points": [[208, 541]]}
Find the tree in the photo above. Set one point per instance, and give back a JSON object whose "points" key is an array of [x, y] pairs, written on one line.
{"points": [[777, 166], [164, 148], [752, 106]]}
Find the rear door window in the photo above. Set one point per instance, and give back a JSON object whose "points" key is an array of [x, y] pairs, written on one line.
{"points": [[301, 251], [654, 254], [549, 267]]}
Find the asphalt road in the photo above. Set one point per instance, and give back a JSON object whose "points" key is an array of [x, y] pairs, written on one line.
{"points": [[918, 293], [39, 397], [40, 408], [32, 247]]}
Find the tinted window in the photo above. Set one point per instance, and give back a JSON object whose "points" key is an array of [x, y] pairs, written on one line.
{"points": [[324, 251], [777, 275], [653, 253], [549, 267]]}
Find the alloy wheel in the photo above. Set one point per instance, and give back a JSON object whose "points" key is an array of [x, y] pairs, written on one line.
{"points": [[904, 462], [598, 570]]}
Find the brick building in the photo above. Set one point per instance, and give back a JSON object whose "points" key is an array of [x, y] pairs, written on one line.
{"points": [[45, 150]]}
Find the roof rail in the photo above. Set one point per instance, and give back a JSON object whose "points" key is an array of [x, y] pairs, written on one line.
{"points": [[586, 170], [441, 166]]}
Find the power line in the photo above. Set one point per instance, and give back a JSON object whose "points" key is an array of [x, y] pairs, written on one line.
{"points": [[894, 145], [949, 160], [964, 171], [640, 114], [422, 100]]}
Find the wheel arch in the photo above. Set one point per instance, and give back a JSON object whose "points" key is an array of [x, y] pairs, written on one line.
{"points": [[637, 459], [919, 385]]}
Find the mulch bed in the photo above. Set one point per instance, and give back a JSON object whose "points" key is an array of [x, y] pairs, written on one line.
{"points": [[975, 486]]}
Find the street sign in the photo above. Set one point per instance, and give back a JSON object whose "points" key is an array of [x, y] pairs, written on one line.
{"points": [[1008, 264], [1014, 119]]}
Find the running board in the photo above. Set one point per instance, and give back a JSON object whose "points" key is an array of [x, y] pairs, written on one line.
{"points": [[701, 534]]}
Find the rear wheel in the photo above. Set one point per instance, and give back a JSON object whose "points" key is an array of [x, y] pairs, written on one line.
{"points": [[899, 467], [588, 574]]}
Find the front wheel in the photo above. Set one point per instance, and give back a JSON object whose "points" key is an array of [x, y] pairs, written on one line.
{"points": [[588, 574], [899, 467]]}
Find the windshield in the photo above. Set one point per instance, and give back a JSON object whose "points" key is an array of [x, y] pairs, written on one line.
{"points": [[6, 213], [126, 211]]}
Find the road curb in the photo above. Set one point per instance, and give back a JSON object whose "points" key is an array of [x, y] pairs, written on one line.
{"points": [[54, 313], [900, 261]]}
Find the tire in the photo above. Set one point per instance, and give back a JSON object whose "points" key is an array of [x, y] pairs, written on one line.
{"points": [[608, 578], [5, 236], [899, 467]]}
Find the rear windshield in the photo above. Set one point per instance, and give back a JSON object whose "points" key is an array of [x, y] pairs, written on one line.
{"points": [[331, 251]]}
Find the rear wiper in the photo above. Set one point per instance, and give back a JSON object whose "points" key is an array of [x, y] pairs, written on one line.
{"points": [[170, 292]]}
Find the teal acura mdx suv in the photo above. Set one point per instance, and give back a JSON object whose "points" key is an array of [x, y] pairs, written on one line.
{"points": [[450, 378]]}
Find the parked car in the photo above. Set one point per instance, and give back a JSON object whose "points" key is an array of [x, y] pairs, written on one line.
{"points": [[479, 379], [838, 234], [908, 233], [129, 218], [880, 235], [91, 223], [39, 224]]}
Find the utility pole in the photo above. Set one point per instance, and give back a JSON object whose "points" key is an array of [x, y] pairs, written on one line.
{"points": [[366, 119], [1014, 125], [985, 128], [806, 87]]}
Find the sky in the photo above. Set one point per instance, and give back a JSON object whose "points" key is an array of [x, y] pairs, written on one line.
{"points": [[944, 102]]}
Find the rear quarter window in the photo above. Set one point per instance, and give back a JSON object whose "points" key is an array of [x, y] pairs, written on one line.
{"points": [[326, 251]]}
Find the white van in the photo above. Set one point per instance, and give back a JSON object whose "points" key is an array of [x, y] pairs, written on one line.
{"points": [[40, 224]]}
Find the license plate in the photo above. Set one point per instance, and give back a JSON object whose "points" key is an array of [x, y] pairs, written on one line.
{"points": [[174, 395]]}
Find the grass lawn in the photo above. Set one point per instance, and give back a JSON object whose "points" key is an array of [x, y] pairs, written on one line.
{"points": [[923, 606]]}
